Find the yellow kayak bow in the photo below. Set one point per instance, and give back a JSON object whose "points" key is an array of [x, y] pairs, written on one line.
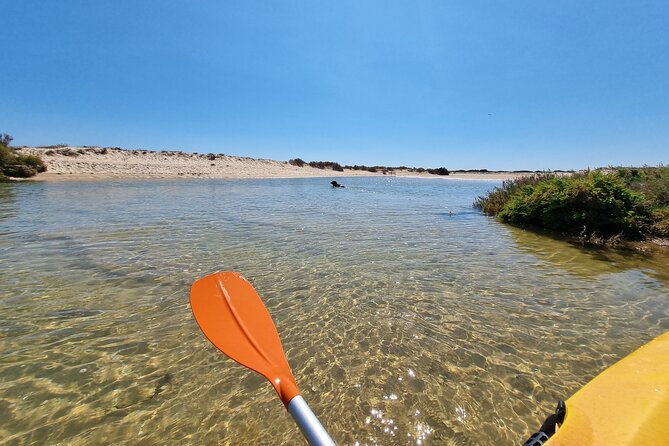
{"points": [[626, 404]]}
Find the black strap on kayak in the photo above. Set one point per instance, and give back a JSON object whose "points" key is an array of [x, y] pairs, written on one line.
{"points": [[548, 428]]}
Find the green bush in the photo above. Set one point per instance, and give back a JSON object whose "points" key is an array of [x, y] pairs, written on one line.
{"points": [[439, 171], [19, 171], [594, 203], [326, 164], [6, 159], [625, 203], [659, 226], [15, 165], [299, 162], [493, 203], [652, 182]]}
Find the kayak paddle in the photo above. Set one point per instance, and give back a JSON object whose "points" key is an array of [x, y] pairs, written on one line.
{"points": [[231, 315]]}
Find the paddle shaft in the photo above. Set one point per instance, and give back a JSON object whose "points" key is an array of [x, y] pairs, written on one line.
{"points": [[311, 428]]}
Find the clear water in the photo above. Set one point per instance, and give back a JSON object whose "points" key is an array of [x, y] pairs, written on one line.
{"points": [[407, 316]]}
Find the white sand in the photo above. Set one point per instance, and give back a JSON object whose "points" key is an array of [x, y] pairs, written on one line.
{"points": [[76, 163]]}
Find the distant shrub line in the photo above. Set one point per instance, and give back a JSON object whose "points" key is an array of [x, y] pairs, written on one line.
{"points": [[383, 169], [15, 165], [317, 164], [505, 171], [600, 205], [388, 169]]}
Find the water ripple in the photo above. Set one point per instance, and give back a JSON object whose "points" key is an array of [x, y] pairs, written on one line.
{"points": [[408, 318]]}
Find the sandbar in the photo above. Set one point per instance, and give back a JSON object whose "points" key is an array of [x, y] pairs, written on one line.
{"points": [[68, 163]]}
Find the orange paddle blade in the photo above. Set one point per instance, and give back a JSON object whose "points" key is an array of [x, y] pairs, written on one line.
{"points": [[232, 316]]}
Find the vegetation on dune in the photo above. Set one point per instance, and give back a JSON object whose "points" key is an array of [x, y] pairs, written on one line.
{"points": [[608, 204], [326, 164], [653, 185], [388, 169], [438, 171], [299, 162], [373, 169], [15, 165], [317, 164]]}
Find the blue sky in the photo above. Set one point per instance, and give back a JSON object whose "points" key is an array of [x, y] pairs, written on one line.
{"points": [[462, 84]]}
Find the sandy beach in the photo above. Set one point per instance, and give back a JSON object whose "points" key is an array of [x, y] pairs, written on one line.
{"points": [[95, 163]]}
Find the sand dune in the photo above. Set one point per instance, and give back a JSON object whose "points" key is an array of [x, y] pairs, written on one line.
{"points": [[95, 163]]}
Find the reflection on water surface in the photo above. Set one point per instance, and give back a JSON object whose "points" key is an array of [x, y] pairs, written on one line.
{"points": [[408, 317]]}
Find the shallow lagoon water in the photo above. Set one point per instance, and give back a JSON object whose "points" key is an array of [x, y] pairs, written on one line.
{"points": [[407, 316]]}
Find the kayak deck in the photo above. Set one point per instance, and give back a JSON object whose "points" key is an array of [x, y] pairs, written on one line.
{"points": [[626, 404]]}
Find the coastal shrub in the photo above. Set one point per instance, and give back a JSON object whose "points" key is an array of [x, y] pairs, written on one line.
{"points": [[493, 203], [326, 164], [15, 165], [19, 171], [589, 205], [657, 186], [439, 171], [67, 152], [297, 162], [580, 205], [32, 161], [369, 168], [21, 166], [659, 226], [388, 169], [5, 140], [653, 184]]}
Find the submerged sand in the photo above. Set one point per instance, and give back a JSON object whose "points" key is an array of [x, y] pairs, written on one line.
{"points": [[76, 163]]}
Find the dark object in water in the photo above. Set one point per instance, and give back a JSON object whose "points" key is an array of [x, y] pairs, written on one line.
{"points": [[162, 384], [335, 184]]}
